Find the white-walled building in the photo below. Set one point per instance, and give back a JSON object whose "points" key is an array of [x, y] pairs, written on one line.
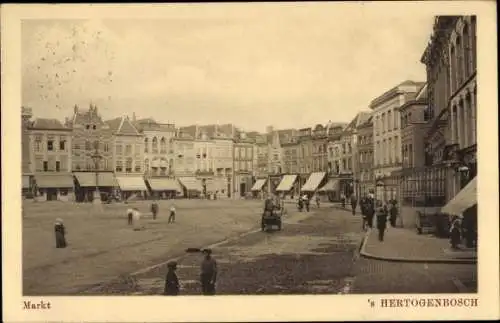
{"points": [[387, 130]]}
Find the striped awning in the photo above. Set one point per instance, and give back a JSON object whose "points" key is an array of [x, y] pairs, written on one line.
{"points": [[131, 183], [313, 182], [26, 181], [258, 184], [466, 198], [88, 179], [191, 183], [286, 183], [331, 186], [164, 184], [54, 180]]}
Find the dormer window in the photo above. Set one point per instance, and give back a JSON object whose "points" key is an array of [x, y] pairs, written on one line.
{"points": [[87, 127]]}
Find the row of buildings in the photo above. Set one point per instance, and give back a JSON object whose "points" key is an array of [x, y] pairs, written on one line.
{"points": [[416, 143]]}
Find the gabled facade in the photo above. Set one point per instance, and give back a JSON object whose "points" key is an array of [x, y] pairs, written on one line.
{"points": [[89, 132], [128, 146]]}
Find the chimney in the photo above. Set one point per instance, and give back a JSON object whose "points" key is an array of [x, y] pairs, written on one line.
{"points": [[269, 129], [133, 117], [75, 109]]}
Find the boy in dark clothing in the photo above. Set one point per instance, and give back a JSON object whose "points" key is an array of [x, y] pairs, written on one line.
{"points": [[154, 209], [208, 274], [393, 214], [171, 281]]}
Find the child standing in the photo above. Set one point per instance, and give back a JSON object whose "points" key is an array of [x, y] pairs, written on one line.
{"points": [[171, 281], [171, 218]]}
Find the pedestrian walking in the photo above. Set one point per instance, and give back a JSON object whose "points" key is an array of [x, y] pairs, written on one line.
{"points": [[364, 215], [172, 285], [300, 204], [393, 211], [381, 220], [455, 232], [354, 203], [136, 219], [317, 200], [154, 209], [307, 202], [342, 200], [208, 274], [370, 211], [130, 214], [60, 233], [171, 217]]}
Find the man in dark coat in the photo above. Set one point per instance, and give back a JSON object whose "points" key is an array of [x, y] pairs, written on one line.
{"points": [[381, 220], [154, 209], [171, 281], [393, 211], [208, 274], [354, 203]]}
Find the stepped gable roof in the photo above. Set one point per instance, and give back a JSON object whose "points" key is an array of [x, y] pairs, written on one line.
{"points": [[47, 124]]}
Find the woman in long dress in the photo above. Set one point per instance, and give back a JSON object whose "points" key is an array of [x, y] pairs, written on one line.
{"points": [[60, 232], [136, 219]]}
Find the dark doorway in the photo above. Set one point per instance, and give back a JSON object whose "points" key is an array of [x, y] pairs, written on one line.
{"points": [[51, 194], [242, 189]]}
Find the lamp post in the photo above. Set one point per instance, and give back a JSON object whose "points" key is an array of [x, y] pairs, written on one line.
{"points": [[96, 157]]}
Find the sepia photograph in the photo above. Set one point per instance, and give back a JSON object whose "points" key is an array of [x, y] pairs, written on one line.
{"points": [[254, 149]]}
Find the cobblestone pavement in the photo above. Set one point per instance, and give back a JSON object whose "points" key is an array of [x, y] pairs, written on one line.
{"points": [[314, 254]]}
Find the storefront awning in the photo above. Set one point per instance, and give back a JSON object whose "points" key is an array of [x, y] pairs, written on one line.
{"points": [[466, 198], [258, 184], [286, 183], [26, 182], [191, 183], [331, 186], [131, 183], [88, 179], [164, 184], [313, 182], [54, 180]]}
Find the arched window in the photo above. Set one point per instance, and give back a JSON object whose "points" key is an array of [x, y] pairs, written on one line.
{"points": [[453, 69], [163, 145], [467, 51], [155, 145], [460, 61], [473, 41], [146, 145]]}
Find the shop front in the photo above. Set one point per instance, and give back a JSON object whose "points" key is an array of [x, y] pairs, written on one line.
{"points": [[132, 187], [258, 188], [287, 186], [192, 187], [164, 187], [314, 182], [54, 187], [330, 191], [87, 182]]}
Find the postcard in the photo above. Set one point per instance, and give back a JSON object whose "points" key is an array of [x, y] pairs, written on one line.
{"points": [[250, 161]]}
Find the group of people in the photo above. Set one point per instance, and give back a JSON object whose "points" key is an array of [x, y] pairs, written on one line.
{"points": [[372, 208], [208, 276]]}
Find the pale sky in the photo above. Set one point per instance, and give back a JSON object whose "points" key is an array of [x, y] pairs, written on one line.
{"points": [[286, 68]]}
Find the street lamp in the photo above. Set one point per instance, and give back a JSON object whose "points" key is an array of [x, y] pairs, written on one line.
{"points": [[96, 157]]}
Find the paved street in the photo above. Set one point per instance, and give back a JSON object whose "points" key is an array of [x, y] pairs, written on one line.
{"points": [[102, 247], [316, 253]]}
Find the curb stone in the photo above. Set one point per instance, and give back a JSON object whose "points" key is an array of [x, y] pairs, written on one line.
{"points": [[410, 260]]}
